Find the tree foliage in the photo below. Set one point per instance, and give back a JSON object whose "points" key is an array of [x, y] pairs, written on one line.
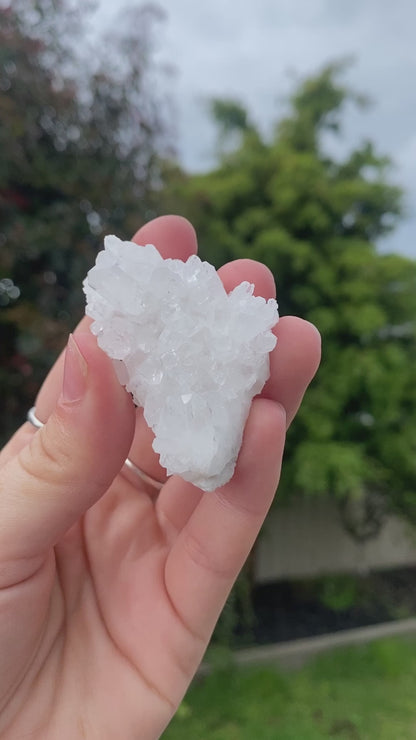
{"points": [[82, 129], [315, 220]]}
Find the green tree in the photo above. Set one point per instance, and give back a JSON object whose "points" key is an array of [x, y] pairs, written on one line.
{"points": [[82, 131], [315, 221], [232, 122]]}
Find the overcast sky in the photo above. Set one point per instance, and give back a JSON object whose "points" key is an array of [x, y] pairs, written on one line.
{"points": [[251, 49]]}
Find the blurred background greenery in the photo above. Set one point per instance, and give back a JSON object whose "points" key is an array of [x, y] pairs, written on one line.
{"points": [[81, 145], [87, 148], [87, 142]]}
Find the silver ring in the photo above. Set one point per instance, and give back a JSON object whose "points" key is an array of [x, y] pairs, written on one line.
{"points": [[128, 464]]}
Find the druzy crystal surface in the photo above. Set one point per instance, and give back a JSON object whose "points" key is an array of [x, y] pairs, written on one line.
{"points": [[191, 355]]}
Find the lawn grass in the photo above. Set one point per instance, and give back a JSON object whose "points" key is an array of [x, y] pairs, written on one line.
{"points": [[360, 693]]}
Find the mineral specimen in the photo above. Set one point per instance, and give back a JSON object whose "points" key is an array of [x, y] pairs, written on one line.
{"points": [[192, 356]]}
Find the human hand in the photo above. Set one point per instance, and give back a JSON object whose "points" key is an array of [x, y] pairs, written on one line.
{"points": [[108, 592]]}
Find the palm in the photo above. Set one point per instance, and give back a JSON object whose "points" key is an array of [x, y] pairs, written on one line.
{"points": [[110, 632], [101, 633], [111, 585]]}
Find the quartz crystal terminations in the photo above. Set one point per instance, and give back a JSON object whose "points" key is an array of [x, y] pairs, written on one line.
{"points": [[192, 356]]}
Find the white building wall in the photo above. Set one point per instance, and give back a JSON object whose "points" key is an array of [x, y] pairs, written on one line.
{"points": [[307, 538]]}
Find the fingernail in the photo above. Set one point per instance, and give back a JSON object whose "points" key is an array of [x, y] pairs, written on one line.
{"points": [[75, 373]]}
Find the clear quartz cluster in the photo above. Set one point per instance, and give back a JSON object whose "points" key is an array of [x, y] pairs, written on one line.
{"points": [[192, 356]]}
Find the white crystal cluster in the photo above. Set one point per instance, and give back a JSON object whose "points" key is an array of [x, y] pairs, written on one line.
{"points": [[192, 356]]}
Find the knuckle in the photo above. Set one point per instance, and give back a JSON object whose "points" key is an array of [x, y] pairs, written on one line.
{"points": [[46, 457], [245, 509], [206, 558]]}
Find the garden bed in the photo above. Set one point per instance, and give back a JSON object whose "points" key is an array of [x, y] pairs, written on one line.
{"points": [[297, 609]]}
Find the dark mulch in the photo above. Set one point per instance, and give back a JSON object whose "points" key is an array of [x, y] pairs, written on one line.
{"points": [[289, 610]]}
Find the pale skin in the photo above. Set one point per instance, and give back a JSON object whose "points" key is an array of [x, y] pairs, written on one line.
{"points": [[108, 592]]}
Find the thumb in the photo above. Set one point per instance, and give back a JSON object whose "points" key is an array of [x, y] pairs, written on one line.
{"points": [[71, 461]]}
